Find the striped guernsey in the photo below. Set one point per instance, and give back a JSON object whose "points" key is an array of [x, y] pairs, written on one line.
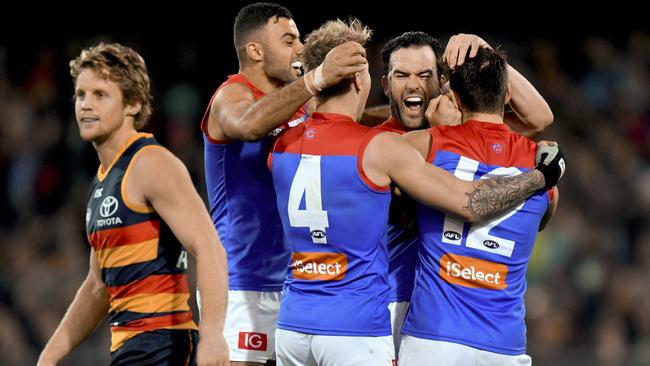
{"points": [[142, 264]]}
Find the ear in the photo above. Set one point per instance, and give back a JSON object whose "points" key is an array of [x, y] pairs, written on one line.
{"points": [[357, 82], [384, 84], [508, 94], [133, 109], [456, 100], [443, 82], [255, 51]]}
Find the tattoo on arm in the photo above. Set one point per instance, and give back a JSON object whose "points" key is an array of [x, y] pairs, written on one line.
{"points": [[493, 196]]}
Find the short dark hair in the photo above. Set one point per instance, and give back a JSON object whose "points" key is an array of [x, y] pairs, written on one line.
{"points": [[411, 39], [254, 16], [481, 82]]}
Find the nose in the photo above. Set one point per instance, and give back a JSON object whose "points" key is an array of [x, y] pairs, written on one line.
{"points": [[413, 83], [83, 103], [299, 48]]}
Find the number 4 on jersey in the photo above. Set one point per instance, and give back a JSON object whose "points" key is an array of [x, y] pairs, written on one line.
{"points": [[306, 183]]}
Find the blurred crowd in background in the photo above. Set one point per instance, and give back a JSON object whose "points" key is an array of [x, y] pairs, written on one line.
{"points": [[588, 300]]}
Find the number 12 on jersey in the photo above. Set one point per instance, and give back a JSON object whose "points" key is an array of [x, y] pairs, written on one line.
{"points": [[307, 183], [479, 236]]}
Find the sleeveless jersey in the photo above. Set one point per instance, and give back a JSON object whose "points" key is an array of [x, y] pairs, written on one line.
{"points": [[142, 264], [471, 278], [334, 220], [242, 204]]}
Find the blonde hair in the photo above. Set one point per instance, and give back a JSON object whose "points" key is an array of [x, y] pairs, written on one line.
{"points": [[328, 36], [123, 66]]}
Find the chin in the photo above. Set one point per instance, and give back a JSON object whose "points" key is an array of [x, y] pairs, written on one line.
{"points": [[413, 123], [89, 135], [293, 77]]}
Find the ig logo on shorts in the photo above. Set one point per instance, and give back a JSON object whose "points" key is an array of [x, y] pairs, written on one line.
{"points": [[252, 341]]}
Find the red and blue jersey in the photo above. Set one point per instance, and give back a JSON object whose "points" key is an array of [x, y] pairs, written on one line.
{"points": [[334, 219], [242, 204], [142, 263], [471, 278], [403, 236]]}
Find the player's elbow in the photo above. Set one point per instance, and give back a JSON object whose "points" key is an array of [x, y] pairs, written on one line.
{"points": [[249, 130], [545, 119], [541, 121]]}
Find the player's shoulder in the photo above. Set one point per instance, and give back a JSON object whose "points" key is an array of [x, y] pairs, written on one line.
{"points": [[232, 93], [521, 142], [154, 158]]}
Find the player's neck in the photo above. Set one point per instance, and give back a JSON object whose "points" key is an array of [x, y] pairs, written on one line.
{"points": [[258, 77], [483, 117], [108, 148], [340, 104]]}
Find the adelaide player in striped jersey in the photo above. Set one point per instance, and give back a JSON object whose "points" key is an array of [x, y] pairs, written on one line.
{"points": [[138, 228]]}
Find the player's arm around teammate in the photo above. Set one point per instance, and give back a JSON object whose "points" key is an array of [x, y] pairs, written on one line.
{"points": [[235, 114], [390, 157]]}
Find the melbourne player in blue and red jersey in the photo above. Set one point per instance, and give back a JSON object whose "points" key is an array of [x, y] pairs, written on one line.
{"points": [[238, 128], [468, 299], [332, 179], [412, 82]]}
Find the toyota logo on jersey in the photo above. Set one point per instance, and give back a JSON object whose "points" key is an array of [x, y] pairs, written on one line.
{"points": [[108, 207]]}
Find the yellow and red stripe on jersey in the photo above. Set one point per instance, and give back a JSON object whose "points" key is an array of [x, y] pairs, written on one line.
{"points": [[153, 284], [126, 245], [152, 294]]}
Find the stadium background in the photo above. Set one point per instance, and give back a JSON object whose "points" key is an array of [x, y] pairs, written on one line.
{"points": [[588, 301]]}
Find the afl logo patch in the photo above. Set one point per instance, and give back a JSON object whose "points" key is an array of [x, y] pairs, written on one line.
{"points": [[318, 234], [452, 235], [108, 207], [498, 147], [491, 244], [310, 134]]}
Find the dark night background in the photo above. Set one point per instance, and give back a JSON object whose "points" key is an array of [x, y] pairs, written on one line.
{"points": [[588, 301]]}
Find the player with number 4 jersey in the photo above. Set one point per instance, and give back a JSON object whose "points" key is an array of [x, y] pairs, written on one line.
{"points": [[468, 299], [332, 178]]}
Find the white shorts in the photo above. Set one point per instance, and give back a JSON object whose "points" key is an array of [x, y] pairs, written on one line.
{"points": [[397, 314], [299, 349], [250, 323], [422, 352]]}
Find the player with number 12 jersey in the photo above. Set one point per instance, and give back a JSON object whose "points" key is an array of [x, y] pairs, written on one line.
{"points": [[471, 278]]}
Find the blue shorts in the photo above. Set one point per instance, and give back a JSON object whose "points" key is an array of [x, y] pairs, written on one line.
{"points": [[163, 347]]}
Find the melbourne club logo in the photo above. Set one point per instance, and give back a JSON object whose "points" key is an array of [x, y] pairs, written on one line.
{"points": [[498, 147], [108, 207]]}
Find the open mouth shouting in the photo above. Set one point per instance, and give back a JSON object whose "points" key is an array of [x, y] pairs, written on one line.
{"points": [[414, 104]]}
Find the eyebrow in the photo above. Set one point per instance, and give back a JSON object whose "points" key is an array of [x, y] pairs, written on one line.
{"points": [[401, 71]]}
